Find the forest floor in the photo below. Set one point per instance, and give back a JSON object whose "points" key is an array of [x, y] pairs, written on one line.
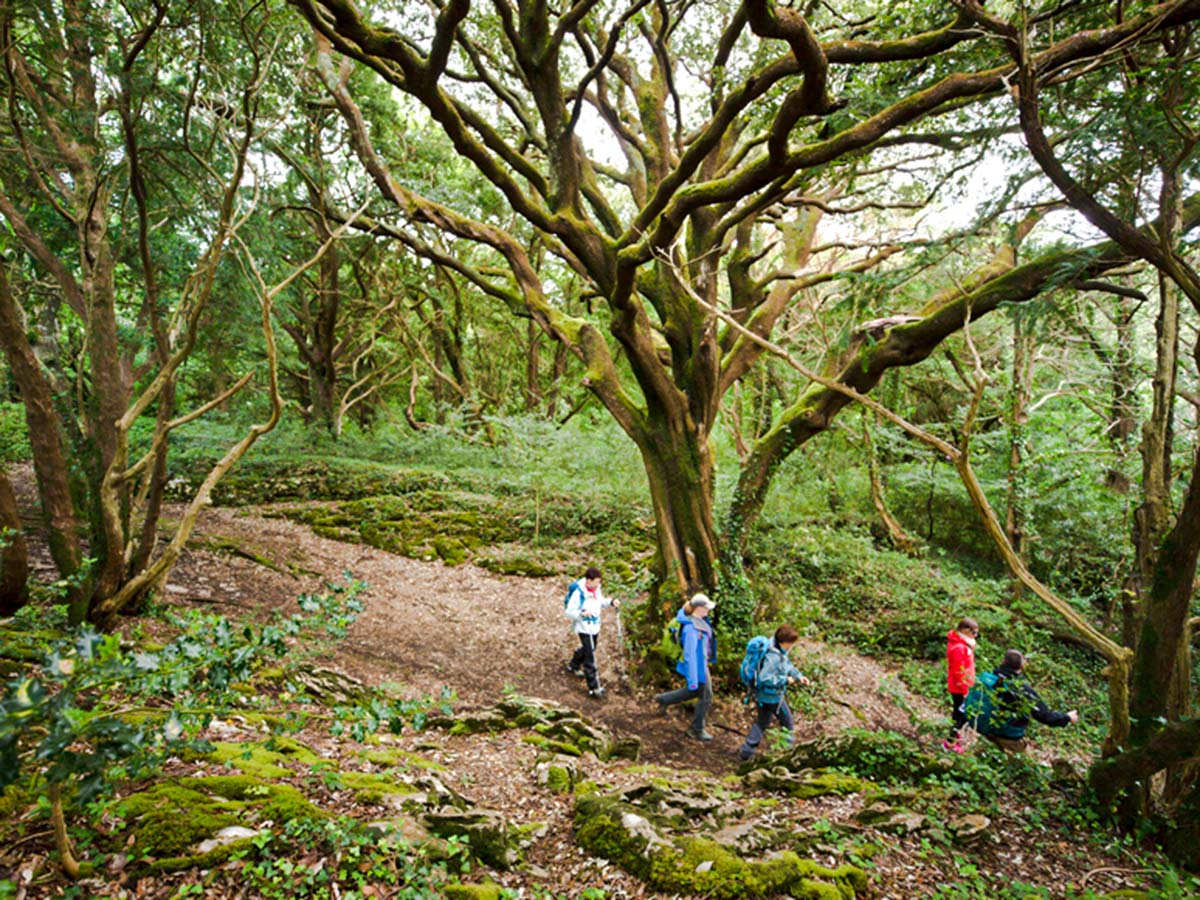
{"points": [[427, 626]]}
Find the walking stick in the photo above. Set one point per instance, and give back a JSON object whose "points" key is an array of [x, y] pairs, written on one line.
{"points": [[621, 650]]}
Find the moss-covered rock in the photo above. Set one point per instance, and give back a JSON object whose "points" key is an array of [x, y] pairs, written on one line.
{"points": [[552, 746], [883, 817], [878, 755], [265, 759], [806, 783], [169, 818], [559, 774], [610, 828], [374, 789], [486, 831], [392, 757]]}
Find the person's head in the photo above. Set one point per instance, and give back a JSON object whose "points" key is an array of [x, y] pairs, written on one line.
{"points": [[592, 577], [786, 637], [699, 606], [967, 625], [1014, 659]]}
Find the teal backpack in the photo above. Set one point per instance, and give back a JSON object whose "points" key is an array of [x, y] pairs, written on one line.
{"points": [[571, 591], [756, 652], [981, 708], [980, 703]]}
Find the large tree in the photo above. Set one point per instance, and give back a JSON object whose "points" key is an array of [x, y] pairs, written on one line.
{"points": [[653, 149]]}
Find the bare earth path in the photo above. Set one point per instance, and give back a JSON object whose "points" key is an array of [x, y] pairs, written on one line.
{"points": [[427, 625]]}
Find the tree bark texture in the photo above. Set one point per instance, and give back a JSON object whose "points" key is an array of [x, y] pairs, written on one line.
{"points": [[14, 559], [50, 459]]}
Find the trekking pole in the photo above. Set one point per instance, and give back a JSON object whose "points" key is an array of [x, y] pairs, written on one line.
{"points": [[621, 650]]}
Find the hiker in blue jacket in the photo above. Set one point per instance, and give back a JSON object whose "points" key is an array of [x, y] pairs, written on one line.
{"points": [[584, 602], [775, 673], [1016, 703], [699, 651]]}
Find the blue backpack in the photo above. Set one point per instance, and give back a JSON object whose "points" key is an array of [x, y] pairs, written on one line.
{"points": [[756, 652], [572, 591]]}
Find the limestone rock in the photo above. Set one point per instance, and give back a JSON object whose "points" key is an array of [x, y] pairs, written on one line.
{"points": [[640, 828], [486, 831], [805, 783], [225, 836], [329, 686], [560, 774], [403, 828], [608, 826], [888, 819], [969, 828]]}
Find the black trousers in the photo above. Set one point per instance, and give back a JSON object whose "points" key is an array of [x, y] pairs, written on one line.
{"points": [[957, 714], [585, 658]]}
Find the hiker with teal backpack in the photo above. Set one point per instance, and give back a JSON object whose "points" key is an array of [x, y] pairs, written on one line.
{"points": [[766, 671], [582, 606], [1002, 702], [699, 652]]}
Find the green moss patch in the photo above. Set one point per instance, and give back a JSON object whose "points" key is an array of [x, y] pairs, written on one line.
{"points": [[400, 759], [553, 746], [807, 783], [265, 760], [374, 789], [488, 890], [172, 816]]}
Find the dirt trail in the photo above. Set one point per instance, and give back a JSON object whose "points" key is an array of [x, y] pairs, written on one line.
{"points": [[428, 625]]}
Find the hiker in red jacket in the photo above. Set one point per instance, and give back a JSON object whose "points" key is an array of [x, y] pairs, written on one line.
{"points": [[960, 675]]}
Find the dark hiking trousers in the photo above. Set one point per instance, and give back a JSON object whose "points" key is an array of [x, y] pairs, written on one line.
{"points": [[585, 658], [766, 712], [957, 714], [702, 695]]}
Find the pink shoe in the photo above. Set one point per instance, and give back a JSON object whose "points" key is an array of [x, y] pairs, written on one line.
{"points": [[956, 747]]}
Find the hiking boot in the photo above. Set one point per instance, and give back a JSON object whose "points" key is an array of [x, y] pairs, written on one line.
{"points": [[597, 693], [578, 673], [662, 707], [956, 747], [699, 735]]}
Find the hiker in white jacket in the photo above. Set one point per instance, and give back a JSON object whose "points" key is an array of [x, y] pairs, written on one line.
{"points": [[584, 602]]}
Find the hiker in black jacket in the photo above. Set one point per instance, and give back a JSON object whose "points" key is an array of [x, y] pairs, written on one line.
{"points": [[1016, 703]]}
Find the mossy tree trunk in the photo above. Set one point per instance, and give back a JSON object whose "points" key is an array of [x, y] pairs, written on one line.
{"points": [[1152, 517], [48, 448], [1166, 552], [14, 560], [679, 466], [1018, 419]]}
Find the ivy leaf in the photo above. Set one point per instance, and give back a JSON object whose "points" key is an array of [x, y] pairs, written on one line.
{"points": [[146, 662]]}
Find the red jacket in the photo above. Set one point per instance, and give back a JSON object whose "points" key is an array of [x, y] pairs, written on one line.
{"points": [[960, 663]]}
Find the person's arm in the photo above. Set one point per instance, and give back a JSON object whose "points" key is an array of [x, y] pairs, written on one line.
{"points": [[691, 669], [794, 674], [1044, 714], [956, 664]]}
